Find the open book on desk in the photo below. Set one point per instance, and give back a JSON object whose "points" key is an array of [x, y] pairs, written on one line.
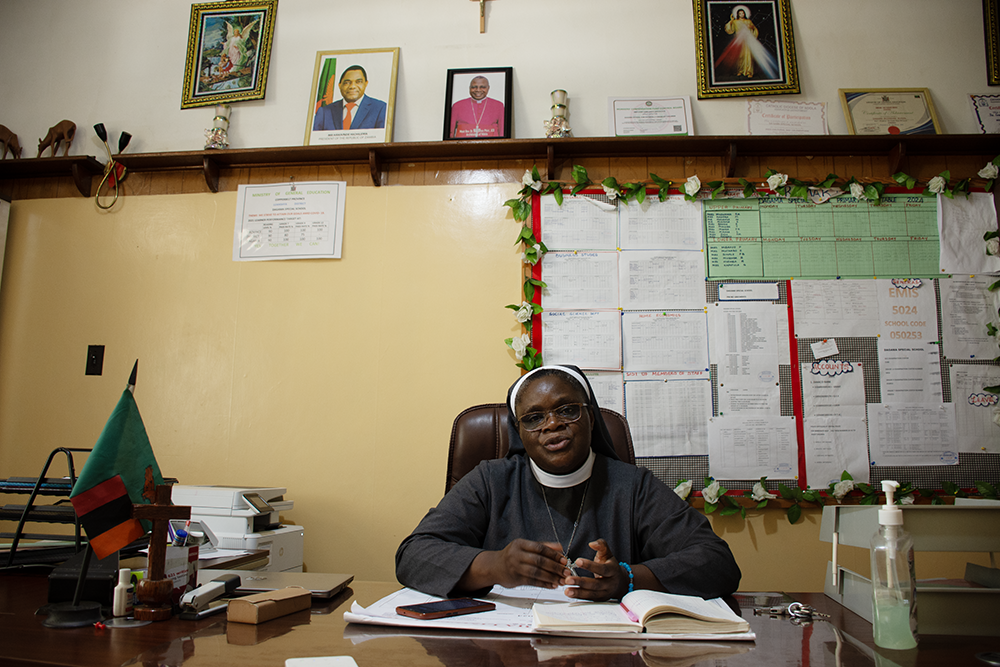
{"points": [[513, 613], [650, 611]]}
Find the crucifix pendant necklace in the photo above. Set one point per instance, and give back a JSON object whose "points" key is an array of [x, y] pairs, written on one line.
{"points": [[481, 114], [576, 524]]}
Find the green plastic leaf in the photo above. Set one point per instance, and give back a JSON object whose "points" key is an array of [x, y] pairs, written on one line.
{"points": [[987, 490], [710, 507], [769, 173], [800, 191], [743, 513], [762, 504], [729, 511], [785, 492], [534, 173], [558, 194], [640, 194], [794, 512], [660, 182], [578, 187], [748, 189], [845, 476], [580, 175], [994, 389], [611, 182], [529, 291], [828, 183]]}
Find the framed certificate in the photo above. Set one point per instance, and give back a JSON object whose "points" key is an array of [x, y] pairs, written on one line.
{"points": [[889, 111], [991, 25], [649, 116]]}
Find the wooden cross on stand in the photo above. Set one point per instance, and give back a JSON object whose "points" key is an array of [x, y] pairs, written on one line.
{"points": [[482, 15], [154, 591]]}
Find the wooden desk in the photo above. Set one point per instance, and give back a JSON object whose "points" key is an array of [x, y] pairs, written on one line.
{"points": [[321, 631]]}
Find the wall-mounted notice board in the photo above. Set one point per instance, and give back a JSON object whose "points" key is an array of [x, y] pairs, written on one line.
{"points": [[774, 337]]}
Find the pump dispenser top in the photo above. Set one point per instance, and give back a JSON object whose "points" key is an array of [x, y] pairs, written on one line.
{"points": [[890, 514]]}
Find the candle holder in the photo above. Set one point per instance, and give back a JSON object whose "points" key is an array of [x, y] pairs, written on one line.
{"points": [[558, 125], [218, 136]]}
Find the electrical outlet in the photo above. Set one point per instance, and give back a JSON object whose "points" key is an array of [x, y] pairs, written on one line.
{"points": [[95, 360]]}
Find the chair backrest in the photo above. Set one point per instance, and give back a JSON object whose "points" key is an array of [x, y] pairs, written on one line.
{"points": [[480, 433]]}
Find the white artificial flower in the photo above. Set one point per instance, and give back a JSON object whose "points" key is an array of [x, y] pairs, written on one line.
{"points": [[993, 247], [524, 313], [906, 500], [711, 493], [842, 488], [989, 172], [857, 191], [759, 493], [996, 415], [936, 185], [775, 181], [683, 489], [518, 345], [610, 192], [529, 181], [692, 186]]}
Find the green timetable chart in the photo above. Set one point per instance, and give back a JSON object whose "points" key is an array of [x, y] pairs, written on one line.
{"points": [[777, 237]]}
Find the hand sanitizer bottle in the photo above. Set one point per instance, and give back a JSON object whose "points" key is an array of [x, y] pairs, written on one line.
{"points": [[121, 604], [894, 602]]}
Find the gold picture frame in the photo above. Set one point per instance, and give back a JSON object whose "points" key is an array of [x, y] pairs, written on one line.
{"points": [[991, 28], [228, 52], [744, 48], [889, 111], [367, 76]]}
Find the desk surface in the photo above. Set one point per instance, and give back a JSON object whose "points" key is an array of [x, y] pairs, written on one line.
{"points": [[321, 631]]}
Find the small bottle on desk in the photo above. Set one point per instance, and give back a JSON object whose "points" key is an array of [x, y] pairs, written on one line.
{"points": [[123, 594]]}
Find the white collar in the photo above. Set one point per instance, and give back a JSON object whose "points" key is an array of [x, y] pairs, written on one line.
{"points": [[578, 476]]}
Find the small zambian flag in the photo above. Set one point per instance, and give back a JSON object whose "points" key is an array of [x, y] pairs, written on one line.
{"points": [[121, 471]]}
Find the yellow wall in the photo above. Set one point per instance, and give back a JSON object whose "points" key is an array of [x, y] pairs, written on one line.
{"points": [[338, 379]]}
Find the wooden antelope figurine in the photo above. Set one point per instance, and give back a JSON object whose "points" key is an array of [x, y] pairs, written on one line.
{"points": [[63, 131], [9, 141]]}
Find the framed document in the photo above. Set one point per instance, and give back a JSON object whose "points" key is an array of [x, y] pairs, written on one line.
{"points": [[650, 116], [478, 103], [744, 48], [987, 111], [889, 111], [768, 116], [353, 97], [228, 52]]}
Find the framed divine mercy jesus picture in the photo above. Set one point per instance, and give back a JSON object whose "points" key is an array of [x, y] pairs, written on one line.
{"points": [[744, 48], [478, 103]]}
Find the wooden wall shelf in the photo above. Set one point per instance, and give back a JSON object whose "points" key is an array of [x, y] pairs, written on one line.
{"points": [[547, 152]]}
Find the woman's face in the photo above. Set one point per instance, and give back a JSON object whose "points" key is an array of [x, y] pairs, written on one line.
{"points": [[557, 447], [741, 14]]}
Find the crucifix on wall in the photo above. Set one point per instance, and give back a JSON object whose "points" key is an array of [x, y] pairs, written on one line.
{"points": [[482, 15]]}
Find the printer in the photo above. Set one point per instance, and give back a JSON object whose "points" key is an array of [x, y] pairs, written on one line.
{"points": [[246, 518]]}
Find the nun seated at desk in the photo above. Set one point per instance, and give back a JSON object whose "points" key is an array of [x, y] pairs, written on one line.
{"points": [[562, 510]]}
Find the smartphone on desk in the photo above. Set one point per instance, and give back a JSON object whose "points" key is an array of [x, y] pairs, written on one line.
{"points": [[443, 608]]}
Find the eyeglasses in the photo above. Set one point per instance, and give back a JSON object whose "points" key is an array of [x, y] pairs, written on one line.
{"points": [[567, 414]]}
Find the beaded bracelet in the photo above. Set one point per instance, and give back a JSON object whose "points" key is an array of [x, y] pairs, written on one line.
{"points": [[631, 577]]}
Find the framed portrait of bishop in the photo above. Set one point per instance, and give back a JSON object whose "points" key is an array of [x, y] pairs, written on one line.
{"points": [[478, 103]]}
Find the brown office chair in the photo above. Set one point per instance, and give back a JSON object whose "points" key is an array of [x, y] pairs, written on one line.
{"points": [[480, 433]]}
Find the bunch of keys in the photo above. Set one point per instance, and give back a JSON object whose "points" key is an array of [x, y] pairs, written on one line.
{"points": [[798, 612]]}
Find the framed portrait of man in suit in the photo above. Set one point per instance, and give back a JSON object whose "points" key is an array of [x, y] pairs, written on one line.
{"points": [[353, 97]]}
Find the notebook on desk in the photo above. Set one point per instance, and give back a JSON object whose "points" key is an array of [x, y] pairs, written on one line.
{"points": [[321, 584]]}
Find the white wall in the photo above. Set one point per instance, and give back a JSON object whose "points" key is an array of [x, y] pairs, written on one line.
{"points": [[121, 62]]}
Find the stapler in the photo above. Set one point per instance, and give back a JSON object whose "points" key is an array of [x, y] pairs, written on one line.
{"points": [[199, 602]]}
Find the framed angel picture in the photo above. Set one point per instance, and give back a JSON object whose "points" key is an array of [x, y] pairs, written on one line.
{"points": [[228, 52]]}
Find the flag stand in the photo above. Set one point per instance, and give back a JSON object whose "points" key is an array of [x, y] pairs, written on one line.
{"points": [[75, 614]]}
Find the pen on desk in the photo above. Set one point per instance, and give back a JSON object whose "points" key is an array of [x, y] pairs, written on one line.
{"points": [[628, 612], [187, 531]]}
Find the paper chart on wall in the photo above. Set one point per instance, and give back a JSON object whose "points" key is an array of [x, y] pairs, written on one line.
{"points": [[834, 308], [577, 225], [836, 439], [585, 338], [909, 356], [668, 412], [656, 279], [962, 222], [974, 408], [673, 341], [609, 388], [289, 221], [745, 343], [673, 224], [966, 307], [912, 434], [752, 447], [576, 280]]}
